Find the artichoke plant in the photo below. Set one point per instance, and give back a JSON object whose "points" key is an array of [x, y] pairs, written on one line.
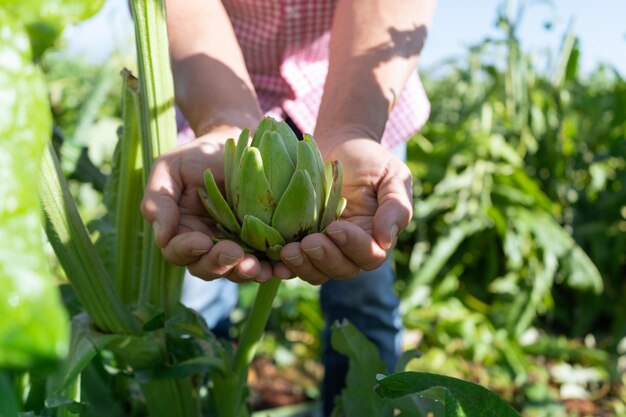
{"points": [[278, 189]]}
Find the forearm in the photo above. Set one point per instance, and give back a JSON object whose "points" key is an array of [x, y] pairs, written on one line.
{"points": [[374, 47], [213, 88]]}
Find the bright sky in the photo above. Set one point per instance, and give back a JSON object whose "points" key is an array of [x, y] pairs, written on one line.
{"points": [[600, 24]]}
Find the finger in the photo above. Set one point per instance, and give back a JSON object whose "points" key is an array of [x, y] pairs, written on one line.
{"points": [[218, 262], [300, 265], [281, 271], [266, 272], [356, 244], [187, 248], [160, 202], [249, 269], [395, 206], [327, 258]]}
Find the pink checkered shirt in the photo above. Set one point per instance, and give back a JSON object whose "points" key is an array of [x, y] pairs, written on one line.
{"points": [[285, 44]]}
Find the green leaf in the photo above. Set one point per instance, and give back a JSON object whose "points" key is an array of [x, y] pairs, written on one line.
{"points": [[461, 398], [295, 215], [307, 161], [358, 398], [229, 160], [333, 194], [77, 254], [85, 344], [254, 192], [289, 138], [33, 324], [8, 405], [242, 144], [46, 19], [259, 235], [276, 162], [216, 205]]}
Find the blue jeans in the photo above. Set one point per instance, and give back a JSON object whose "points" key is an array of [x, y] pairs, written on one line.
{"points": [[367, 301]]}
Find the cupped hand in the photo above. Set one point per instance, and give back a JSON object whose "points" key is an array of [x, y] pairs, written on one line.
{"points": [[182, 227], [378, 188]]}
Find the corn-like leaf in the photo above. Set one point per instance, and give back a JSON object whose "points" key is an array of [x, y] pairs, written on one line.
{"points": [[255, 194], [259, 235], [216, 205], [295, 215], [277, 164]]}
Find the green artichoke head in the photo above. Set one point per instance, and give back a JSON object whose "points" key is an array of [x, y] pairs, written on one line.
{"points": [[278, 189]]}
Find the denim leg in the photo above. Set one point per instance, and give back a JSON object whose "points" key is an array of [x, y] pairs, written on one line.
{"points": [[214, 300], [368, 302]]}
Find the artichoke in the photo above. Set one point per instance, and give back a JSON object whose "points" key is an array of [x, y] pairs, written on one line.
{"points": [[278, 189]]}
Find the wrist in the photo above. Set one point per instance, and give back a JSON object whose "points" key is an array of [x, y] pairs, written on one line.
{"points": [[330, 138], [227, 122]]}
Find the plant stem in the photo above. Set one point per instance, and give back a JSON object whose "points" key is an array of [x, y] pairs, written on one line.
{"points": [[160, 281], [171, 397], [128, 192], [253, 328], [77, 254]]}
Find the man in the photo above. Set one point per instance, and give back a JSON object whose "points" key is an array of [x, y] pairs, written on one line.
{"points": [[344, 70]]}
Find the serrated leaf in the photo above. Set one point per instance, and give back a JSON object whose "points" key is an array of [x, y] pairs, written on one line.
{"points": [[295, 214]]}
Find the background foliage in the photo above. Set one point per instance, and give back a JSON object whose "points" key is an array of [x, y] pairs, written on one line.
{"points": [[511, 272]]}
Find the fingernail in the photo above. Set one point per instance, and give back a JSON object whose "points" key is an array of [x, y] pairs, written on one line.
{"points": [[316, 253], [226, 260], [246, 276], [339, 236], [156, 228], [295, 260], [199, 252], [393, 236]]}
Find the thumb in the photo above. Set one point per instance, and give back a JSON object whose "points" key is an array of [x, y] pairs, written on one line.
{"points": [[160, 201], [395, 206]]}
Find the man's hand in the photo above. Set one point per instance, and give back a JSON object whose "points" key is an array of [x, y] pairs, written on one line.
{"points": [[182, 227], [377, 186]]}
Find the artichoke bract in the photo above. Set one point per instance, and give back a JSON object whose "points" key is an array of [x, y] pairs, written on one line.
{"points": [[278, 189]]}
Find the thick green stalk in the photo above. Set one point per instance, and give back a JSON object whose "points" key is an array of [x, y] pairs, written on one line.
{"points": [[129, 189], [77, 254], [161, 282], [171, 397], [228, 390], [255, 325]]}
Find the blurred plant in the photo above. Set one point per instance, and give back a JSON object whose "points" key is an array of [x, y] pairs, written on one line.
{"points": [[518, 213]]}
